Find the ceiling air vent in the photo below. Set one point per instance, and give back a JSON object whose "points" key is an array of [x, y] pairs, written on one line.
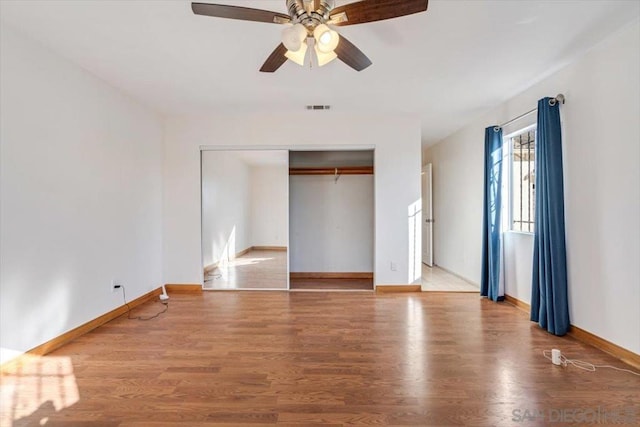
{"points": [[318, 107]]}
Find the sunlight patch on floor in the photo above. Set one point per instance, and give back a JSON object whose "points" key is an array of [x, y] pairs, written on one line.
{"points": [[238, 262], [34, 387]]}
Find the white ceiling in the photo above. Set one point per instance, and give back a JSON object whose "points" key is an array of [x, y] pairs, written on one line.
{"points": [[445, 66]]}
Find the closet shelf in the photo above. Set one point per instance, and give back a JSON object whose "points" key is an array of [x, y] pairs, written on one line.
{"points": [[347, 170]]}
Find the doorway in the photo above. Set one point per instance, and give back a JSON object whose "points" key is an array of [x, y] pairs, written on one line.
{"points": [[435, 278]]}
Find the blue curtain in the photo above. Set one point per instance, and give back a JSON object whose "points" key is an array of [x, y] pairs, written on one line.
{"points": [[549, 303], [490, 282]]}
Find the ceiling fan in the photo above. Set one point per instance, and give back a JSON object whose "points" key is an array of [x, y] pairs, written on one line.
{"points": [[309, 23]]}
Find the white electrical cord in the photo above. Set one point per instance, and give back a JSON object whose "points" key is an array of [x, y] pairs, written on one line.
{"points": [[584, 365], [124, 298]]}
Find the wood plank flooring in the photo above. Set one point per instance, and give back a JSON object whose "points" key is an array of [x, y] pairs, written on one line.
{"points": [[317, 358]]}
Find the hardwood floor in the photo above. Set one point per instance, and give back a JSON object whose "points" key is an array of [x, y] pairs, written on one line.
{"points": [[317, 358]]}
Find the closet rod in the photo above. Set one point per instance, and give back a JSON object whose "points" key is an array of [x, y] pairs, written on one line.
{"points": [[559, 98]]}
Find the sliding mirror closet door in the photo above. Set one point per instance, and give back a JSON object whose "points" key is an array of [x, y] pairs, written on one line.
{"points": [[331, 219], [245, 219]]}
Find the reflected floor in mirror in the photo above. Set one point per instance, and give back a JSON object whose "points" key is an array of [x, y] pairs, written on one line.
{"points": [[257, 269], [436, 279]]}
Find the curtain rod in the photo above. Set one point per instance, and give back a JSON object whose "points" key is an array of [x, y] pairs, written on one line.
{"points": [[559, 98]]}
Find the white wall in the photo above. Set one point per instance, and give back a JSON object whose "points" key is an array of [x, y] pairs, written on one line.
{"points": [[518, 248], [602, 200], [81, 176], [269, 205], [397, 176], [226, 201], [331, 223]]}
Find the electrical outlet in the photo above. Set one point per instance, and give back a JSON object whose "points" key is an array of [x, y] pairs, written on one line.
{"points": [[394, 266], [115, 285]]}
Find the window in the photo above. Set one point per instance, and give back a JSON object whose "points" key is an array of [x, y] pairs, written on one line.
{"points": [[522, 161]]}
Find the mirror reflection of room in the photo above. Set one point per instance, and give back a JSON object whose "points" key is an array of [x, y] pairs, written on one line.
{"points": [[244, 219]]}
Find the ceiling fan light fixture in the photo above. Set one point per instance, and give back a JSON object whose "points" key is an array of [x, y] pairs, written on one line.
{"points": [[324, 57], [307, 26], [298, 55], [293, 37], [326, 39]]}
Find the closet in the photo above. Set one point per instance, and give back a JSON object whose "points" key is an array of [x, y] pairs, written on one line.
{"points": [[331, 219]]}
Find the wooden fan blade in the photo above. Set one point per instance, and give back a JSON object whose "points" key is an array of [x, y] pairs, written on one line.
{"points": [[378, 10], [275, 60], [238, 12], [352, 56]]}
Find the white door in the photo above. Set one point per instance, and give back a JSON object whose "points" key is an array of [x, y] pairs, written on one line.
{"points": [[427, 216]]}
